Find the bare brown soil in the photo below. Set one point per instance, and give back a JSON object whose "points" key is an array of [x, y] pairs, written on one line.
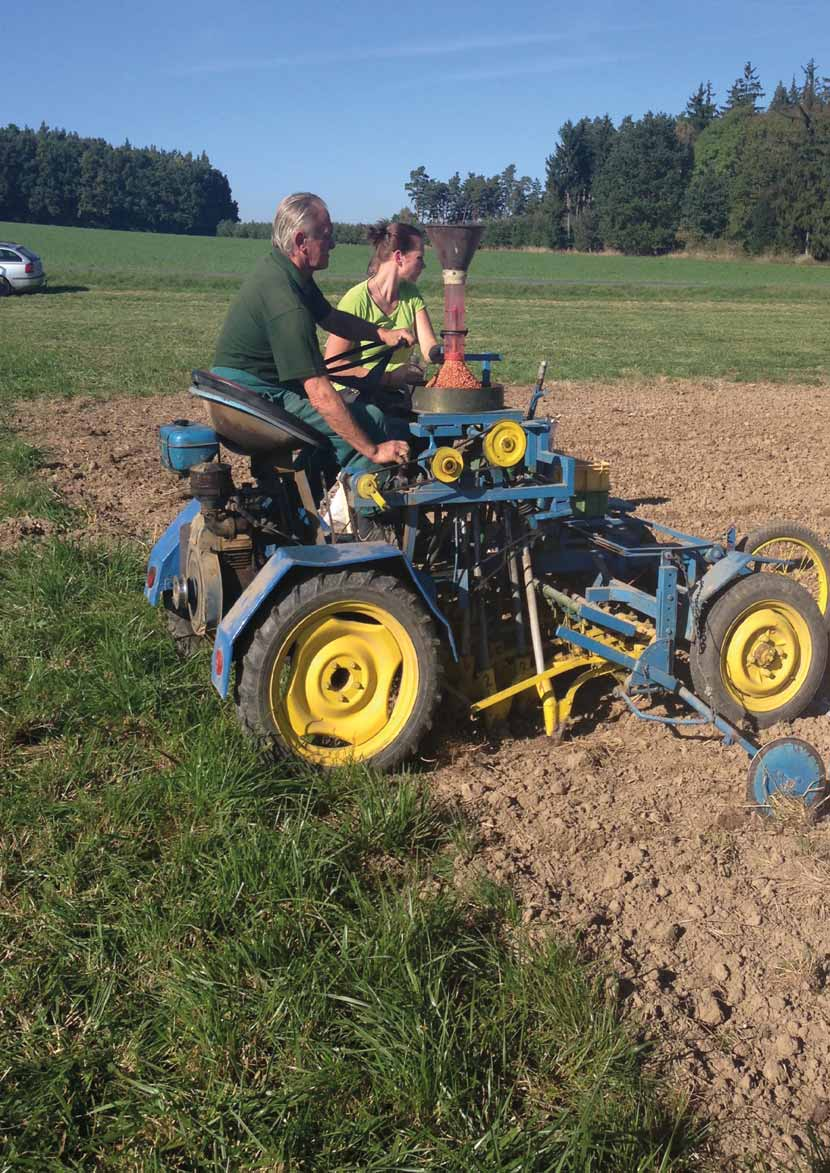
{"points": [[712, 921]]}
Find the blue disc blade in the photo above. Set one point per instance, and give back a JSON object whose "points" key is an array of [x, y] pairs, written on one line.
{"points": [[789, 767]]}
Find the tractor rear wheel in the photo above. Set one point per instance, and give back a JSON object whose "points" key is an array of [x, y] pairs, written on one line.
{"points": [[808, 557], [761, 650], [344, 668]]}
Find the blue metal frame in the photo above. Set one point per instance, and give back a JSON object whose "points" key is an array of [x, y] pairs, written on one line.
{"points": [[164, 556], [323, 559]]}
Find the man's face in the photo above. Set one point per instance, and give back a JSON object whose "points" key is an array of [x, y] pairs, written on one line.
{"points": [[319, 243]]}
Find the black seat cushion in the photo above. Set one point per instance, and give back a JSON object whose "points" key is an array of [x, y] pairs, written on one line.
{"points": [[235, 394]]}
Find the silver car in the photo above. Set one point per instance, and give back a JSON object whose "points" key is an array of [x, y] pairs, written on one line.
{"points": [[21, 270]]}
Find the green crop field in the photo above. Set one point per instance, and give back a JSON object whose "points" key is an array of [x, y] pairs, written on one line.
{"points": [[132, 312], [213, 962]]}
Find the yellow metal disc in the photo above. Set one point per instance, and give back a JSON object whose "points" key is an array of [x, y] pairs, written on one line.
{"points": [[447, 465], [766, 655], [505, 444], [344, 683]]}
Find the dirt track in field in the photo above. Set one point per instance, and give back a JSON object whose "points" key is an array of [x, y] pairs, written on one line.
{"points": [[713, 922]]}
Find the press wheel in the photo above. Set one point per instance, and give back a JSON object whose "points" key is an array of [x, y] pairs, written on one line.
{"points": [[761, 650], [807, 555]]}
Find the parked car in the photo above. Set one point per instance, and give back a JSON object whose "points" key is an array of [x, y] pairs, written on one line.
{"points": [[21, 270]]}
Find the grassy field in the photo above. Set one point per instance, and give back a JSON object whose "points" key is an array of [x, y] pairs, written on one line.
{"points": [[135, 312], [210, 962]]}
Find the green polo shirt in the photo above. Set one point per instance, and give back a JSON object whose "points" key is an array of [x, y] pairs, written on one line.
{"points": [[270, 329]]}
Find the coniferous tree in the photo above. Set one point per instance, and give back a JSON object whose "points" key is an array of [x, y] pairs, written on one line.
{"points": [[701, 108], [55, 177], [780, 98], [639, 192], [746, 92]]}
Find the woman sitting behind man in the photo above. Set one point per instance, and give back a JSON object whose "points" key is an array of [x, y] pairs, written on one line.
{"points": [[390, 299]]}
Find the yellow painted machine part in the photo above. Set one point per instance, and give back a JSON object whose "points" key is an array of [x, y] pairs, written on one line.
{"points": [[555, 709], [447, 465], [346, 673], [367, 486], [810, 571], [766, 655], [505, 444]]}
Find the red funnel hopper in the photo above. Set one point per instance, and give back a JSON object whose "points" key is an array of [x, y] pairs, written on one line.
{"points": [[455, 245]]}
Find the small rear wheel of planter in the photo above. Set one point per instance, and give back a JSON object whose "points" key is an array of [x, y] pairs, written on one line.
{"points": [[343, 668], [807, 558], [186, 641], [761, 652]]}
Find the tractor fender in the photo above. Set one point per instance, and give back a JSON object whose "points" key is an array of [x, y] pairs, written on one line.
{"points": [[163, 564], [288, 560], [717, 578]]}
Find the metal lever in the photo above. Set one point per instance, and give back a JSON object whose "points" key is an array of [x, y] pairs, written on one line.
{"points": [[538, 391]]}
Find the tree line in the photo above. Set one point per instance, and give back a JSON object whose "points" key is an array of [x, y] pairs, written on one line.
{"points": [[51, 176], [740, 173]]}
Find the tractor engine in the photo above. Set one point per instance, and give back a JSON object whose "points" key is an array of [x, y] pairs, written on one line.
{"points": [[217, 556]]}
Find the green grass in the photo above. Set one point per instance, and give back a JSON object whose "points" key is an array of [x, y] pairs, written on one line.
{"points": [[22, 489], [133, 313], [209, 962]]}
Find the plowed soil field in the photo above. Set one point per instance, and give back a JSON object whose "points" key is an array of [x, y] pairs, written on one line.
{"points": [[712, 922]]}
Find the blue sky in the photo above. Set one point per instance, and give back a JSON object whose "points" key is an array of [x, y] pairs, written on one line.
{"points": [[346, 98]]}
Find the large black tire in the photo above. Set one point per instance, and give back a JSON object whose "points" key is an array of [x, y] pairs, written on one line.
{"points": [[344, 667], [802, 546], [6, 288], [760, 653]]}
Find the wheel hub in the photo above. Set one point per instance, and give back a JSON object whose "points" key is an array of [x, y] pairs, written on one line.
{"points": [[762, 658], [343, 681]]}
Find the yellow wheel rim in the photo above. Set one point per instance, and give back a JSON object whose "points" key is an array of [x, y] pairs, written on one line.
{"points": [[766, 656], [344, 683], [808, 570], [505, 444]]}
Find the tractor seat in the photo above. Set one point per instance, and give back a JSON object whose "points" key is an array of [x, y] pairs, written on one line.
{"points": [[249, 424]]}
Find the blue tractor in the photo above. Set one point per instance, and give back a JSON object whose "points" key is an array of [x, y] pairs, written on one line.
{"points": [[498, 569]]}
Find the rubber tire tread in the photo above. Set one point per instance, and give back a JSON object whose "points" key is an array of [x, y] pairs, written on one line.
{"points": [[786, 531], [186, 642], [264, 636], [705, 664]]}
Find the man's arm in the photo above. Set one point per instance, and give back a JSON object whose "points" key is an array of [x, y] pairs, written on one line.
{"points": [[323, 397], [358, 330]]}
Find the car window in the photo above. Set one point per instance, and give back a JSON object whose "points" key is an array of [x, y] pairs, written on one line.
{"points": [[6, 254], [27, 253]]}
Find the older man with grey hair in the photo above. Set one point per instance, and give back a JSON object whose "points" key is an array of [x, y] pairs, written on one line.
{"points": [[269, 339]]}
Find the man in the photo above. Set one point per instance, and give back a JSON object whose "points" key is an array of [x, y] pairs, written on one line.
{"points": [[269, 339]]}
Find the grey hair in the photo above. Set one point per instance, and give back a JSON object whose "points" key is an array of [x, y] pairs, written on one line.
{"points": [[296, 213]]}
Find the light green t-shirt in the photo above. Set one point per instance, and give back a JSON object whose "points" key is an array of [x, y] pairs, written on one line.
{"points": [[358, 301]]}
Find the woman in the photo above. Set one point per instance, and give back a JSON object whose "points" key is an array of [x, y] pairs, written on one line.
{"points": [[390, 299]]}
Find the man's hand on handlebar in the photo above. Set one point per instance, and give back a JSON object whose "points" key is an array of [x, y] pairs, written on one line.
{"points": [[396, 338], [390, 452]]}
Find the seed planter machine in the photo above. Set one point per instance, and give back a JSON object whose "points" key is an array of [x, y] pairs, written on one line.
{"points": [[506, 573]]}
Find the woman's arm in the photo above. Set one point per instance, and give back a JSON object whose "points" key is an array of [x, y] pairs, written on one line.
{"points": [[425, 333]]}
